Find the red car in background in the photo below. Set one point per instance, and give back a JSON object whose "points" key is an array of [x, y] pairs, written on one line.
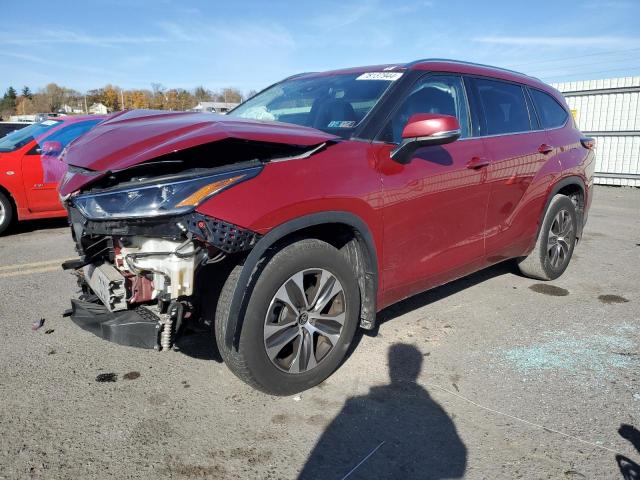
{"points": [[30, 168]]}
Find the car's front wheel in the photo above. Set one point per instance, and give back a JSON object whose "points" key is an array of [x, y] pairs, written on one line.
{"points": [[300, 318], [554, 246]]}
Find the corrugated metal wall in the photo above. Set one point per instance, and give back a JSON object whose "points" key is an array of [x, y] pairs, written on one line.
{"points": [[609, 110]]}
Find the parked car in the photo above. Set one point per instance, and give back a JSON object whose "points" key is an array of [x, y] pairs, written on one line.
{"points": [[8, 127], [30, 168], [320, 201]]}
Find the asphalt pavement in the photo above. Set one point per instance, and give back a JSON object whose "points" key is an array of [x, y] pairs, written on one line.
{"points": [[492, 376]]}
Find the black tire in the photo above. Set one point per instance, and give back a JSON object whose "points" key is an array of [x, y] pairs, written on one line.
{"points": [[6, 213], [539, 264], [250, 362]]}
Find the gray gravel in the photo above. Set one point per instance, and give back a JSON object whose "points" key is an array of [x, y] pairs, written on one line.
{"points": [[514, 380]]}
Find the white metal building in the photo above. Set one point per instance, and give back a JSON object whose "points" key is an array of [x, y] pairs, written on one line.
{"points": [[609, 111]]}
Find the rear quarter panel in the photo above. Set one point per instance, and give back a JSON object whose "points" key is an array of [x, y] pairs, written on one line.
{"points": [[575, 160], [570, 160]]}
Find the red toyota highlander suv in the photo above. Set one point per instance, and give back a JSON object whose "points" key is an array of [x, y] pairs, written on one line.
{"points": [[328, 196]]}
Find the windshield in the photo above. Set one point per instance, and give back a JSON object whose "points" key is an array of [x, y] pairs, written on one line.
{"points": [[20, 138], [67, 134], [335, 104]]}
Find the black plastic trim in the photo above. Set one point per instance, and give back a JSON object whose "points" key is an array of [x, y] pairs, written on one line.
{"points": [[572, 180], [134, 328], [238, 303], [223, 235]]}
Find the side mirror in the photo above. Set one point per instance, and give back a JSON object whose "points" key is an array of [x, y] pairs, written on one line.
{"points": [[424, 129], [51, 149]]}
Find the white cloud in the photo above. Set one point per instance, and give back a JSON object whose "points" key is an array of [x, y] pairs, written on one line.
{"points": [[610, 4], [180, 33], [245, 35], [366, 11], [78, 38], [44, 61], [600, 41]]}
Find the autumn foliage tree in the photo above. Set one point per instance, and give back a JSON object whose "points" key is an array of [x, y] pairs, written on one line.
{"points": [[55, 98]]}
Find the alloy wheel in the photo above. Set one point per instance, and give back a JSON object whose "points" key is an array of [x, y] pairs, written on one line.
{"points": [[561, 235], [304, 321]]}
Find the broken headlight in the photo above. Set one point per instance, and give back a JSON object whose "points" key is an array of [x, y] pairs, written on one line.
{"points": [[170, 197]]}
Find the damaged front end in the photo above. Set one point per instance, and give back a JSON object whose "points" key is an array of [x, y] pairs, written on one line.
{"points": [[138, 276], [132, 190]]}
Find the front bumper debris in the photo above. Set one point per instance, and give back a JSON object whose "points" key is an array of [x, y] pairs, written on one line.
{"points": [[137, 276], [135, 328]]}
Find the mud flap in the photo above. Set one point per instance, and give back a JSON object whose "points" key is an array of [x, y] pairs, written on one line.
{"points": [[135, 328]]}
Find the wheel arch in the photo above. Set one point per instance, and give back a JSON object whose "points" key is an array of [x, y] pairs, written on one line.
{"points": [[566, 186], [361, 250]]}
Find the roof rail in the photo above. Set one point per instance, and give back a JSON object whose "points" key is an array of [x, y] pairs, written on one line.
{"points": [[462, 62]]}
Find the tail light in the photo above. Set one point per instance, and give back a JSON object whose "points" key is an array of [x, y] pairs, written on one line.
{"points": [[588, 143]]}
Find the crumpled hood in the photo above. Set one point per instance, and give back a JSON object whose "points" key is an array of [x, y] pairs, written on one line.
{"points": [[137, 136]]}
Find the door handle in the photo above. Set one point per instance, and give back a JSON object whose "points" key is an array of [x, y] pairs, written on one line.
{"points": [[477, 162], [544, 148]]}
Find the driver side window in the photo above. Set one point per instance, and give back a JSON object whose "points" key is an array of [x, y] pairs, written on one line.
{"points": [[442, 94]]}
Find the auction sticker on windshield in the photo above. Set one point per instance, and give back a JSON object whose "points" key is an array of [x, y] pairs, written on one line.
{"points": [[390, 76]]}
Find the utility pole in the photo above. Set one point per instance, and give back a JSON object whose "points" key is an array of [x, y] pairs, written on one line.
{"points": [[121, 99], [86, 110]]}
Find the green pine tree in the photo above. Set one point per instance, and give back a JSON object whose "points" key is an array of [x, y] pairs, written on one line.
{"points": [[8, 102], [11, 93]]}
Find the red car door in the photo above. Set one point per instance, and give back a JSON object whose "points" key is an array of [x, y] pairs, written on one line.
{"points": [[518, 149], [434, 205], [43, 191], [41, 196], [11, 177]]}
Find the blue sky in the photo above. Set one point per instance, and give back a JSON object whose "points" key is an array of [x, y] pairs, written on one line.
{"points": [[250, 44]]}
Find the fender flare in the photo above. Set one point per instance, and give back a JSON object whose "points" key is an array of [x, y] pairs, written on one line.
{"points": [[368, 308], [559, 185]]}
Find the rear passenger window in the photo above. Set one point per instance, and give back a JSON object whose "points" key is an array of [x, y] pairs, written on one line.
{"points": [[504, 105], [551, 113]]}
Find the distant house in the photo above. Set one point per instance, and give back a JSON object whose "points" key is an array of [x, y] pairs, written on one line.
{"points": [[24, 118], [98, 109], [214, 107], [69, 109]]}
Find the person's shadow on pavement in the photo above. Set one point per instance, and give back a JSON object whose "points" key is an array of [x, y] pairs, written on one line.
{"points": [[629, 469], [410, 435]]}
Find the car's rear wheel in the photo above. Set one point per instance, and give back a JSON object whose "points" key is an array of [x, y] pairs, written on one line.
{"points": [[556, 241], [6, 213], [300, 318]]}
